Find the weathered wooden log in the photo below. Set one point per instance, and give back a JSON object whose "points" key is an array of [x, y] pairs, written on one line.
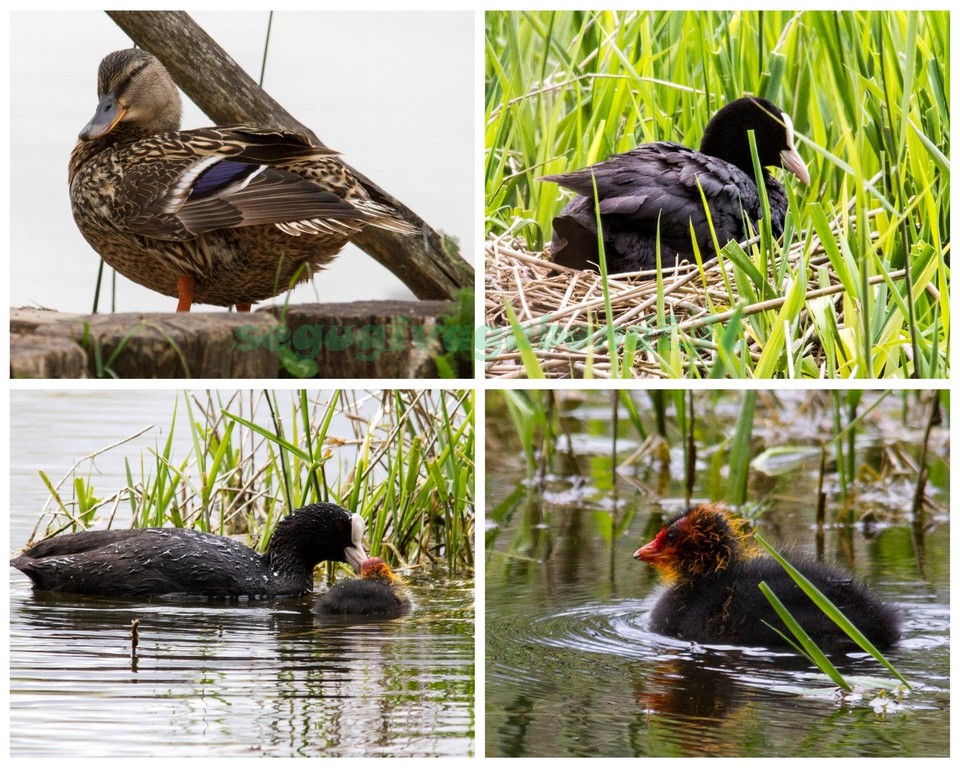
{"points": [[366, 339], [166, 345], [360, 340]]}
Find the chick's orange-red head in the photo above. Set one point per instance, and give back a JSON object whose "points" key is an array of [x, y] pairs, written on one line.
{"points": [[375, 569], [705, 540]]}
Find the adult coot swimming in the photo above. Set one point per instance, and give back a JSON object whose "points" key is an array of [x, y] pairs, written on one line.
{"points": [[174, 561], [712, 571], [653, 190], [377, 593]]}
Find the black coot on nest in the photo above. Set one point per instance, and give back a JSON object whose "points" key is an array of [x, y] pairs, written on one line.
{"points": [[377, 593], [653, 190], [149, 562], [712, 574]]}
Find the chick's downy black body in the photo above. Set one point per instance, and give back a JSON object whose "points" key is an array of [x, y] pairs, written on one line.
{"points": [[149, 562], [712, 594], [378, 593], [653, 193]]}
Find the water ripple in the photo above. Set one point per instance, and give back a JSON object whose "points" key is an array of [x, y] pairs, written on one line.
{"points": [[617, 630], [611, 628], [220, 678]]}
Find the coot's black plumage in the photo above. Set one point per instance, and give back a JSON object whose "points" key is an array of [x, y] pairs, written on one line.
{"points": [[654, 187], [712, 574], [149, 562], [377, 593]]}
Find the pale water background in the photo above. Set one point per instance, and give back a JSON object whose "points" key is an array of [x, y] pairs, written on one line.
{"points": [[51, 430], [392, 91]]}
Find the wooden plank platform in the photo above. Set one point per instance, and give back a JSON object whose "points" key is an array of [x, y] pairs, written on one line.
{"points": [[359, 340]]}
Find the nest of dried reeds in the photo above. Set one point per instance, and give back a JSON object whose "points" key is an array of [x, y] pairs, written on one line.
{"points": [[562, 316]]}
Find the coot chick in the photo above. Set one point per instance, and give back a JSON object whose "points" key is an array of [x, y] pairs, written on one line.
{"points": [[150, 562], [377, 593], [654, 188], [712, 570]]}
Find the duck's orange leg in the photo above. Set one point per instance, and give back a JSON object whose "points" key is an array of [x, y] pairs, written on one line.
{"points": [[185, 288]]}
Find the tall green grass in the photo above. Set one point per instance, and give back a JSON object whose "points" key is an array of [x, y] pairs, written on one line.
{"points": [[800, 640], [868, 94], [402, 459]]}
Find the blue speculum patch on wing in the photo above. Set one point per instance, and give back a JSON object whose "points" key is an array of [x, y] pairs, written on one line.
{"points": [[222, 175]]}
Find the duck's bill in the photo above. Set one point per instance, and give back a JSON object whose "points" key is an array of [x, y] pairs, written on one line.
{"points": [[790, 159], [355, 556], [109, 113]]}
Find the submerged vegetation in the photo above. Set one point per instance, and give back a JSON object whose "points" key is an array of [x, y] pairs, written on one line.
{"points": [[402, 459], [714, 444], [859, 285]]}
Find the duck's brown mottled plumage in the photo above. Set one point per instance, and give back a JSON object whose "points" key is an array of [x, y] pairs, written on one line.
{"points": [[226, 215]]}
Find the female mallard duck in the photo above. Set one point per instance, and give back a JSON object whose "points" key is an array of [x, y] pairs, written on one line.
{"points": [[226, 215]]}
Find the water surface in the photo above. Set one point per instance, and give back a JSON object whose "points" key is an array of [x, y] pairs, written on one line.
{"points": [[233, 679]]}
